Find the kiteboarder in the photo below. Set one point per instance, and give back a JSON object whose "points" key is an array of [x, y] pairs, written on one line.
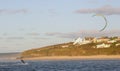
{"points": [[21, 59]]}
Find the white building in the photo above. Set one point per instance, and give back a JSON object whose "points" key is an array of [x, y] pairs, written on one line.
{"points": [[103, 40], [81, 41], [112, 41], [78, 41], [103, 45], [117, 44]]}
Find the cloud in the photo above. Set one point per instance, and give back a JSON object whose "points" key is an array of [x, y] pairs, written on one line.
{"points": [[64, 35], [73, 35], [12, 38], [40, 38], [53, 33], [33, 34], [106, 10], [7, 11]]}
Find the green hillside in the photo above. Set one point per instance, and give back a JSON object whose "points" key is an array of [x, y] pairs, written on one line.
{"points": [[68, 49]]}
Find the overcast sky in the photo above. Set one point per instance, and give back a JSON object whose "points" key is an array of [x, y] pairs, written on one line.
{"points": [[27, 24]]}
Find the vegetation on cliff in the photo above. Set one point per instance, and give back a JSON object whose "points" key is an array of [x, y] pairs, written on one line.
{"points": [[68, 49]]}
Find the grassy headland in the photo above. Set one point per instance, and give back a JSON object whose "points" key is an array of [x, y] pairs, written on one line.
{"points": [[68, 49]]}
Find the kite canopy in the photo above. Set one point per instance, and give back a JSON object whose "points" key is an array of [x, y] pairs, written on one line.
{"points": [[104, 19]]}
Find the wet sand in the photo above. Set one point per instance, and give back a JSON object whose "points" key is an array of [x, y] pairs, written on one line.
{"points": [[75, 57]]}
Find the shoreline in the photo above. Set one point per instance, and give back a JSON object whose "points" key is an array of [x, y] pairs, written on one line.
{"points": [[94, 57]]}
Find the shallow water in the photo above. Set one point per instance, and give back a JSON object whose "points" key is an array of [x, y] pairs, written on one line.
{"points": [[62, 65]]}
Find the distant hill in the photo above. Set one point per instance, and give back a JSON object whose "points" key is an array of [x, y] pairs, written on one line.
{"points": [[68, 49], [9, 55]]}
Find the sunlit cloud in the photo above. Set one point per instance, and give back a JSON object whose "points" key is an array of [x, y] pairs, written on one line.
{"points": [[64, 35], [73, 35], [9, 11], [106, 10]]}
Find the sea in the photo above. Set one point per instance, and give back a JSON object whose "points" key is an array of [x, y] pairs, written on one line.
{"points": [[61, 65]]}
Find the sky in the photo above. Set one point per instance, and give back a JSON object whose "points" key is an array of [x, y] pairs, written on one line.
{"points": [[29, 24]]}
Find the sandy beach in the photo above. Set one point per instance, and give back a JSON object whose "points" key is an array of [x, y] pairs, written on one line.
{"points": [[75, 57]]}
